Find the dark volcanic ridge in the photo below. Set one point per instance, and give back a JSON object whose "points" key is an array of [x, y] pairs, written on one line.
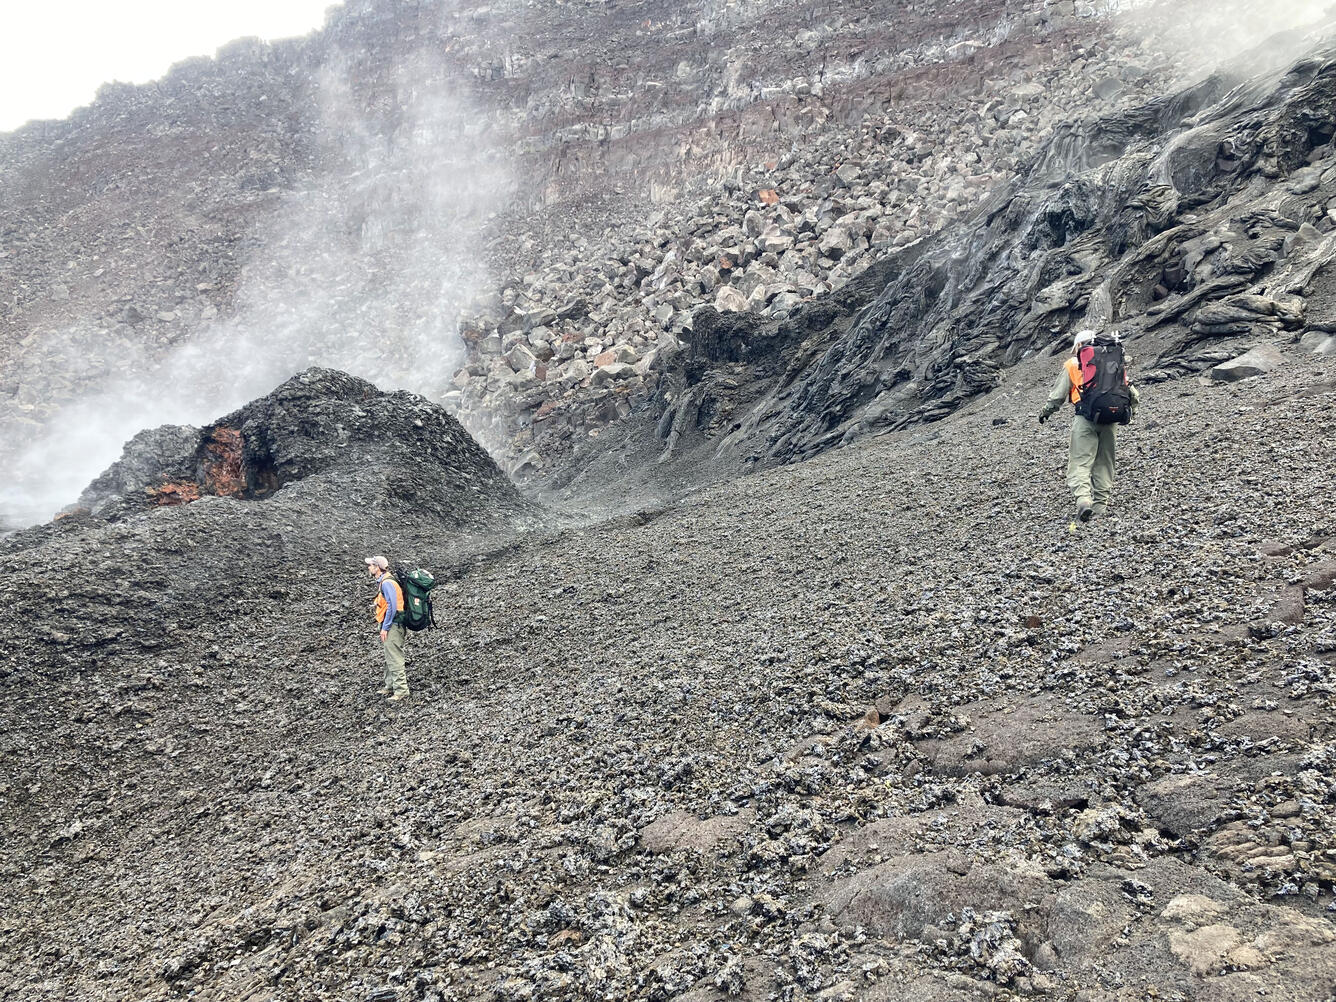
{"points": [[287, 491], [320, 423], [1201, 226]]}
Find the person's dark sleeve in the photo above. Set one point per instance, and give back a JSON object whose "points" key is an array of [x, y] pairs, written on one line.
{"points": [[1058, 395]]}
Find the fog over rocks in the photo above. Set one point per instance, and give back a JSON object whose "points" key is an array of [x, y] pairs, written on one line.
{"points": [[499, 207]]}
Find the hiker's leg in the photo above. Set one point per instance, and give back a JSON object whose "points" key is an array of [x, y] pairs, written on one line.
{"points": [[1101, 474], [396, 678], [1081, 458]]}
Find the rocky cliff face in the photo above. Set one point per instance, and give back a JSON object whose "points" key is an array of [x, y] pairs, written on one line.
{"points": [[1198, 225], [513, 209]]}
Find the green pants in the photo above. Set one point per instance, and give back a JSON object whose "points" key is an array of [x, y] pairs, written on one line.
{"points": [[396, 679], [1090, 462]]}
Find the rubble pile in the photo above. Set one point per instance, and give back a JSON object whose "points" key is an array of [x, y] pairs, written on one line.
{"points": [[580, 334], [278, 497], [1137, 221]]}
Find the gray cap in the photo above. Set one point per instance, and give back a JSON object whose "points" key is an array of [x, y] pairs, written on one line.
{"points": [[380, 562], [1084, 337]]}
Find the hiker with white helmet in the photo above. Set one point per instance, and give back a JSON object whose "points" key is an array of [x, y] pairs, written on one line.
{"points": [[388, 611], [1095, 380]]}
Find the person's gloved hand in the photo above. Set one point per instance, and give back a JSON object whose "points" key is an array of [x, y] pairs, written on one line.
{"points": [[1043, 416]]}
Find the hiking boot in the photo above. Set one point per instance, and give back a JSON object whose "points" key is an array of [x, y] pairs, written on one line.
{"points": [[1099, 510], [397, 697], [1084, 510]]}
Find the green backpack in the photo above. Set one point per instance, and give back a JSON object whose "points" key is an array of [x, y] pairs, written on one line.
{"points": [[417, 586]]}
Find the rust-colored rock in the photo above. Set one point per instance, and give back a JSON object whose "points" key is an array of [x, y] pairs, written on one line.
{"points": [[224, 470], [171, 494]]}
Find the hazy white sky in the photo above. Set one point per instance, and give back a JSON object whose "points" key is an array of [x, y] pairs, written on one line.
{"points": [[54, 54]]}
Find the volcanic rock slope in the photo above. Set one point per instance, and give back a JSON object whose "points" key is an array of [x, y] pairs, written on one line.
{"points": [[173, 534], [1199, 225], [533, 195], [495, 205], [882, 725]]}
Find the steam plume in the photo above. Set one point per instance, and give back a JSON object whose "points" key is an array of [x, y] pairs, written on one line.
{"points": [[368, 269]]}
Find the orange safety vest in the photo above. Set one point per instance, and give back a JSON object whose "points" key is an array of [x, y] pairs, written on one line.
{"points": [[1076, 379], [381, 606]]}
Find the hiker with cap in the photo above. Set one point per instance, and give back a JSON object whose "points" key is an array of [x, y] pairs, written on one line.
{"points": [[388, 610], [1095, 380]]}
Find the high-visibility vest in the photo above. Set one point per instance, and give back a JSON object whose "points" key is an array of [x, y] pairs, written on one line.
{"points": [[1076, 379], [381, 606]]}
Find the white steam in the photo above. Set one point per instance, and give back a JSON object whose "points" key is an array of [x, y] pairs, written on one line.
{"points": [[1206, 35], [368, 269]]}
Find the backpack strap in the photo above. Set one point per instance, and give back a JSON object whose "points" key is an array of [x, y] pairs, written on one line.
{"points": [[398, 595]]}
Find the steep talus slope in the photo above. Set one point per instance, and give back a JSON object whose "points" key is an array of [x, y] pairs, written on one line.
{"points": [[496, 204], [874, 726], [1202, 221], [519, 210], [133, 214]]}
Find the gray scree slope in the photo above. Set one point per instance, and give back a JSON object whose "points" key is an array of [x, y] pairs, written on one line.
{"points": [[879, 725]]}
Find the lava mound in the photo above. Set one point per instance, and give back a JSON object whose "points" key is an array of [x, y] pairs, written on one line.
{"points": [[275, 503], [321, 422]]}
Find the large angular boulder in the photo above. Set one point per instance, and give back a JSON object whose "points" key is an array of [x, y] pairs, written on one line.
{"points": [[908, 897], [730, 300], [836, 243], [1258, 362], [1319, 343], [611, 373]]}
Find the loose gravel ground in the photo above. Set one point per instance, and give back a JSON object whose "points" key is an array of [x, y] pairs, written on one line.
{"points": [[883, 725]]}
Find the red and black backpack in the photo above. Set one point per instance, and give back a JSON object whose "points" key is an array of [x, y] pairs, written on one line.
{"points": [[1106, 397]]}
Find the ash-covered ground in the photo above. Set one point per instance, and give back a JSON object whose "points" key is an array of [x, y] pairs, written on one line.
{"points": [[883, 724], [877, 726]]}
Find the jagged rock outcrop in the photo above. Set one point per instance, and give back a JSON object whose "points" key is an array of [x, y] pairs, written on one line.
{"points": [[780, 231], [318, 423], [1198, 226]]}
